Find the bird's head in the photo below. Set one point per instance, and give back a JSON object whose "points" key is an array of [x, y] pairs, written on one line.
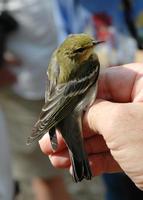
{"points": [[78, 47], [73, 53]]}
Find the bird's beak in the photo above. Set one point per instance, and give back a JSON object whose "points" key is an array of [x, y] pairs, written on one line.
{"points": [[97, 42]]}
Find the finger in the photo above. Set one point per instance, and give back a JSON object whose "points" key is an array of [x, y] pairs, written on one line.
{"points": [[98, 116], [87, 132], [95, 144], [113, 80], [46, 147], [102, 163], [60, 159]]}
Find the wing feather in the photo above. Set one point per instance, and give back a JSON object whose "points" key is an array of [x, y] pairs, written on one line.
{"points": [[62, 102]]}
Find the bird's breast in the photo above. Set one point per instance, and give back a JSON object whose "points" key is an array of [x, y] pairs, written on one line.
{"points": [[88, 99]]}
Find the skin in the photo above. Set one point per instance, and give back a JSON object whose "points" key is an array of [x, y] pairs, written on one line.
{"points": [[113, 126], [6, 76]]}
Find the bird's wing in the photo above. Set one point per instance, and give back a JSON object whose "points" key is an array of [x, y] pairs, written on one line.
{"points": [[62, 102], [53, 74]]}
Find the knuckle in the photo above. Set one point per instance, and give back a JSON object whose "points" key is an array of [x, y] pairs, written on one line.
{"points": [[54, 161]]}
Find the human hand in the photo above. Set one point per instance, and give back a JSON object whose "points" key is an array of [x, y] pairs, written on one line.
{"points": [[6, 76], [113, 127]]}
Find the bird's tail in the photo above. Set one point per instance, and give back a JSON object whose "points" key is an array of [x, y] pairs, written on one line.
{"points": [[80, 168], [70, 130]]}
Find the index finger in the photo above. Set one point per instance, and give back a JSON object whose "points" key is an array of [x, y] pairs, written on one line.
{"points": [[117, 83], [46, 147]]}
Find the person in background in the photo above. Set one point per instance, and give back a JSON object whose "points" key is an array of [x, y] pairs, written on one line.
{"points": [[22, 96], [6, 181]]}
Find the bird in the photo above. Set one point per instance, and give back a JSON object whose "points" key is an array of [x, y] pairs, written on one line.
{"points": [[73, 73]]}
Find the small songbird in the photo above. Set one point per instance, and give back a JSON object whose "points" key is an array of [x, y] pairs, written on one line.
{"points": [[72, 82]]}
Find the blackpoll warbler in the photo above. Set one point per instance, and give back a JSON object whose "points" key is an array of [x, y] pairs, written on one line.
{"points": [[72, 80]]}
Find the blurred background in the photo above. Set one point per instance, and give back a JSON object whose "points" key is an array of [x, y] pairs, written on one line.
{"points": [[29, 32]]}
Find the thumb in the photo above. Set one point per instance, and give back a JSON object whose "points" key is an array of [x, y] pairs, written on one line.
{"points": [[97, 118]]}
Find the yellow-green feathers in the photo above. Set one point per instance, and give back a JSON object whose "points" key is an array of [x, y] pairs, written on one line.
{"points": [[71, 53]]}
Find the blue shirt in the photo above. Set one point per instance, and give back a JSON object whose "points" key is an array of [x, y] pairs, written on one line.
{"points": [[70, 16], [72, 13]]}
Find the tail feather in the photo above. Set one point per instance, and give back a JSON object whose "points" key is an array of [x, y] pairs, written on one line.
{"points": [[81, 168], [71, 132], [53, 138]]}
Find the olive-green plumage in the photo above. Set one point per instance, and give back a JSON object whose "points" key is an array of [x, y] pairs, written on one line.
{"points": [[72, 77], [69, 56]]}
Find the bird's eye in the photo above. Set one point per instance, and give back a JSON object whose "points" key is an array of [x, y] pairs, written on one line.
{"points": [[80, 50]]}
